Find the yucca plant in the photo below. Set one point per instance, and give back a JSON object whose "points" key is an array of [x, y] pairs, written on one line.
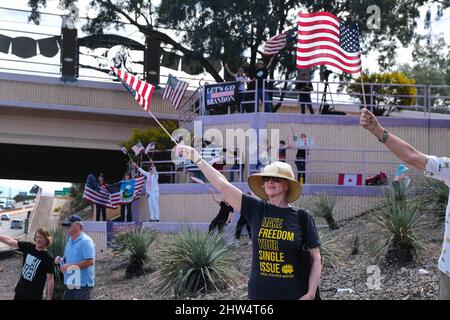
{"points": [[331, 250], [57, 247], [432, 196], [194, 262], [400, 219], [137, 242], [324, 207]]}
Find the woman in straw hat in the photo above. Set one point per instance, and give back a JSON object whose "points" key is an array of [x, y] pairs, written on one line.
{"points": [[286, 258]]}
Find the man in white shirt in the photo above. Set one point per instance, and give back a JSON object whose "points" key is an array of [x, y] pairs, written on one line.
{"points": [[152, 189], [437, 168]]}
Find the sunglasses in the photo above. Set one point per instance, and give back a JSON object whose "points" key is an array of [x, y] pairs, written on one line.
{"points": [[274, 179]]}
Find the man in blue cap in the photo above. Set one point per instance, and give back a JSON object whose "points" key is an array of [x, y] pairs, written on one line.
{"points": [[78, 263]]}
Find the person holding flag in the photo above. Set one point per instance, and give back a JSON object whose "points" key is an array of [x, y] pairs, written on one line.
{"points": [[152, 189], [151, 146], [100, 208], [126, 206], [293, 272], [433, 167]]}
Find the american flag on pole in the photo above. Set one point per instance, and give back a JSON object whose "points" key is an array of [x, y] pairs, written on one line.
{"points": [[278, 42], [97, 193], [150, 146], [124, 150], [141, 90], [323, 39], [114, 190], [137, 148], [175, 90]]}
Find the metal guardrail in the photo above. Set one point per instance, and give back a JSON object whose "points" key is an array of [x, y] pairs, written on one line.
{"points": [[427, 99], [367, 164]]}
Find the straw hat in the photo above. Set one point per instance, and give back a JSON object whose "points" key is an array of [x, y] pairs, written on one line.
{"points": [[276, 169]]}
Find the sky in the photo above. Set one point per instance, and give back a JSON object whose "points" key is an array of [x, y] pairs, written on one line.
{"points": [[50, 25], [10, 188]]}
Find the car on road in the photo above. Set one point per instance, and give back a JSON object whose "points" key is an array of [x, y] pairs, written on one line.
{"points": [[6, 217], [17, 224]]}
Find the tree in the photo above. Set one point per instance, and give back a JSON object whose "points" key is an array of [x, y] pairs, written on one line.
{"points": [[139, 13], [430, 67], [225, 29], [385, 98], [155, 134], [248, 23]]}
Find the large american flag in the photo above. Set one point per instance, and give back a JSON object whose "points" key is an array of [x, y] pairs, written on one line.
{"points": [[114, 190], [324, 40], [97, 193], [278, 42], [175, 90], [141, 90]]}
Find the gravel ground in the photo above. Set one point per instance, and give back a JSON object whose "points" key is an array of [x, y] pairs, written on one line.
{"points": [[395, 283]]}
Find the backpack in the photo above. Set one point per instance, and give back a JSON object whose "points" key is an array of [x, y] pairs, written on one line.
{"points": [[304, 254]]}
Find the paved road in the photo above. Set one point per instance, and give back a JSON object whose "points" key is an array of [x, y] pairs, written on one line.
{"points": [[5, 228]]}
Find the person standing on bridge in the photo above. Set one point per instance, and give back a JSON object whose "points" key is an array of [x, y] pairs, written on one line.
{"points": [[286, 262], [434, 167], [152, 188], [126, 206], [37, 266], [100, 209]]}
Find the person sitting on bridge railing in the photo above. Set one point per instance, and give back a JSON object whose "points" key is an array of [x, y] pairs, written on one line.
{"points": [[37, 266]]}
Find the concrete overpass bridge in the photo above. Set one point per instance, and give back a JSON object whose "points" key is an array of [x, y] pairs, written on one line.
{"points": [[56, 131]]}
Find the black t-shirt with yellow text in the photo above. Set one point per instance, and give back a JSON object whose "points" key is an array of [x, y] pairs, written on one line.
{"points": [[278, 271]]}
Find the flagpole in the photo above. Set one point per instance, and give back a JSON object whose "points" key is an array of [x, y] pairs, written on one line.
{"points": [[171, 138], [126, 86], [362, 86]]}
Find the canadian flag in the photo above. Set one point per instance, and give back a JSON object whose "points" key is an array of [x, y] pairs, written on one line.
{"points": [[350, 179]]}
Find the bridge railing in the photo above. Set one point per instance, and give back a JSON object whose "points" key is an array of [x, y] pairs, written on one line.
{"points": [[330, 97], [316, 168]]}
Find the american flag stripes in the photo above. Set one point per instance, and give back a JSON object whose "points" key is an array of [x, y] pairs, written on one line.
{"points": [[175, 90], [109, 195], [278, 42], [137, 148], [141, 90], [97, 193], [324, 40]]}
